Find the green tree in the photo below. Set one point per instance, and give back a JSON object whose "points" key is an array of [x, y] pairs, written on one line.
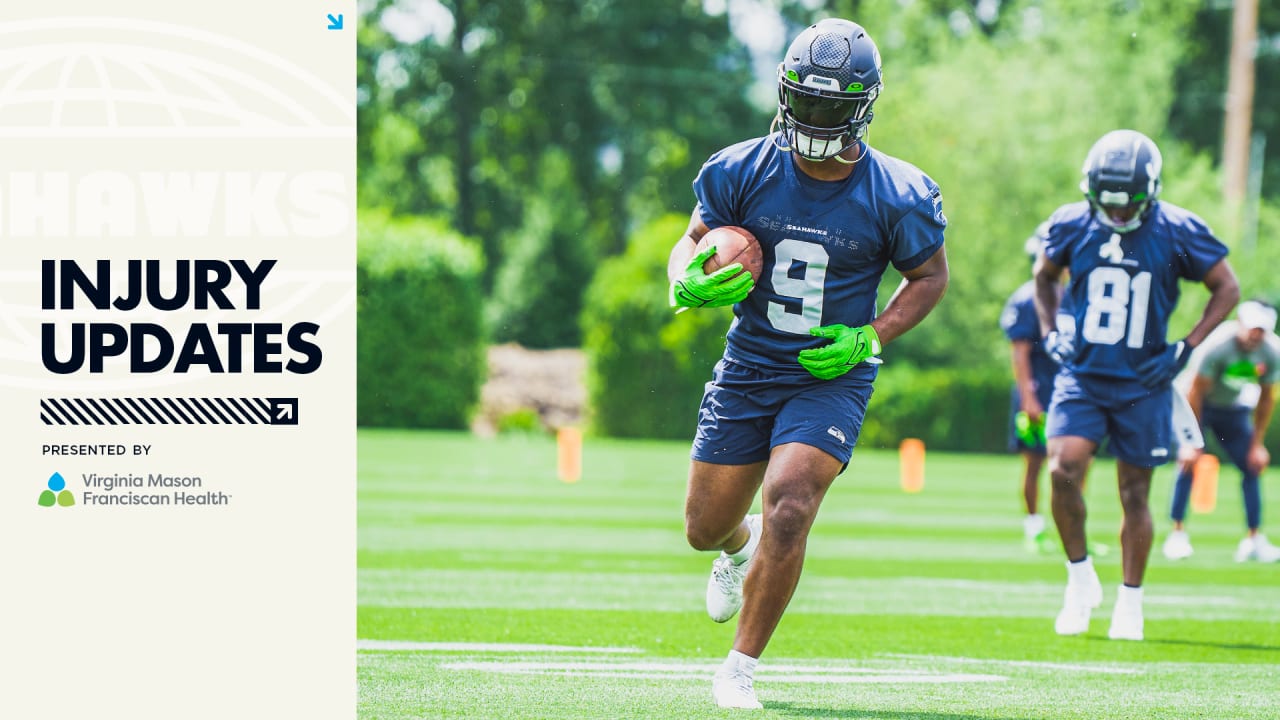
{"points": [[636, 95], [1002, 122], [1200, 78], [647, 365], [547, 266], [420, 349]]}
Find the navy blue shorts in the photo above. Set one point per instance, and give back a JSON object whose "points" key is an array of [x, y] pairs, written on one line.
{"points": [[747, 412], [1138, 420]]}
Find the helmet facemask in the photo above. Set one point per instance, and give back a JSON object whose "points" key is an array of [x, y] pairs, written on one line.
{"points": [[817, 125]]}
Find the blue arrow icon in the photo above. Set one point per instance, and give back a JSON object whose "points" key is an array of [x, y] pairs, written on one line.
{"points": [[335, 21]]}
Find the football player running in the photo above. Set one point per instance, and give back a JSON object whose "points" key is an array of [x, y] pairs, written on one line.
{"points": [[785, 404], [1126, 251]]}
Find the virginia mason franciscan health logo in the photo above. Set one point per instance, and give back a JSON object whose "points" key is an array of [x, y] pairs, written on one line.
{"points": [[57, 493]]}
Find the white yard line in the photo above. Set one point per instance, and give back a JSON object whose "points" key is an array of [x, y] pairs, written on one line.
{"points": [[778, 673], [411, 646], [1090, 667]]}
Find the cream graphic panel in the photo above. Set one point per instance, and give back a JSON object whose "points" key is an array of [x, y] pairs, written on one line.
{"points": [[177, 359]]}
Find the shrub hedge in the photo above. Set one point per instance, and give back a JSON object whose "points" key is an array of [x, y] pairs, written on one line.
{"points": [[420, 340]]}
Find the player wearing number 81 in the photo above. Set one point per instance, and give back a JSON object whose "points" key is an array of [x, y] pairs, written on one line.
{"points": [[785, 404], [1126, 252]]}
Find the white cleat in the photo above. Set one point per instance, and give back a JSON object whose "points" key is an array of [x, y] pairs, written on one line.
{"points": [[1257, 547], [724, 588], [1126, 625], [1078, 602], [1264, 551], [1126, 618], [1178, 545], [734, 690]]}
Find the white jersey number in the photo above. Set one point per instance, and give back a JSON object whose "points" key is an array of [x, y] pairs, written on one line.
{"points": [[806, 288], [1117, 303]]}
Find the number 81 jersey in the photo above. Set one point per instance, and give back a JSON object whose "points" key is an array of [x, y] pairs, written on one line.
{"points": [[1124, 287], [826, 244]]}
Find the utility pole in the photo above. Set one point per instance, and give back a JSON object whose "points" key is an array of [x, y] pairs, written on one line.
{"points": [[1237, 125]]}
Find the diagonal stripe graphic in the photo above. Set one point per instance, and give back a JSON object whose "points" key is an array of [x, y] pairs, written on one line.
{"points": [[155, 411]]}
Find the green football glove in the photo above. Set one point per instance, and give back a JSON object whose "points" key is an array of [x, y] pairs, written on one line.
{"points": [[849, 346], [696, 289], [1030, 433]]}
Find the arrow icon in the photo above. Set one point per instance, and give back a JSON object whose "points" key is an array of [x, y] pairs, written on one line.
{"points": [[282, 411], [335, 21]]}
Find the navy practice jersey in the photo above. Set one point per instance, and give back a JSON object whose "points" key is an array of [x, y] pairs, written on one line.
{"points": [[826, 244], [1124, 287], [1020, 322]]}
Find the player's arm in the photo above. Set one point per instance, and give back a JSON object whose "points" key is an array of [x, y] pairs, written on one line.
{"points": [[1224, 293], [1022, 379], [1048, 277], [683, 250], [921, 289], [1048, 281], [1200, 385], [690, 286], [1259, 456], [1195, 395]]}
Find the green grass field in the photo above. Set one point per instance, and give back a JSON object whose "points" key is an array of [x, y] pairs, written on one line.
{"points": [[489, 589]]}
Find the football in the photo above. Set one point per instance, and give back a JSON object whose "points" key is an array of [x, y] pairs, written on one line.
{"points": [[733, 245]]}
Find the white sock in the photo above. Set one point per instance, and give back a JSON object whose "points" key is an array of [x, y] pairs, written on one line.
{"points": [[1033, 525], [1081, 572], [747, 550], [740, 664], [1129, 597]]}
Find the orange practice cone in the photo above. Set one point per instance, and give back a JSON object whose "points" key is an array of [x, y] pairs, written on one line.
{"points": [[1204, 484], [569, 451], [911, 463]]}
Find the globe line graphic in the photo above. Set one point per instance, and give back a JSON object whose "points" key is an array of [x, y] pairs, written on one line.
{"points": [[156, 80], [109, 78]]}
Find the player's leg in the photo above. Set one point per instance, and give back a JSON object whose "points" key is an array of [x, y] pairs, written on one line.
{"points": [[1136, 534], [1032, 463], [716, 503], [812, 441], [797, 480], [1178, 545], [1069, 460], [1136, 530], [716, 506], [1076, 425], [1142, 436], [1033, 530], [1032, 453], [1237, 432], [729, 454]]}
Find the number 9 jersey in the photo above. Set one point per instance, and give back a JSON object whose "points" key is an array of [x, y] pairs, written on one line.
{"points": [[826, 244], [1124, 286]]}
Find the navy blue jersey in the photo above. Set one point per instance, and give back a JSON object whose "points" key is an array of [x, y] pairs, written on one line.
{"points": [[1124, 287], [1019, 322], [826, 244]]}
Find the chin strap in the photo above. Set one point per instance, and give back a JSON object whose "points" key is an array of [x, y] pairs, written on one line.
{"points": [[861, 154], [780, 136]]}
